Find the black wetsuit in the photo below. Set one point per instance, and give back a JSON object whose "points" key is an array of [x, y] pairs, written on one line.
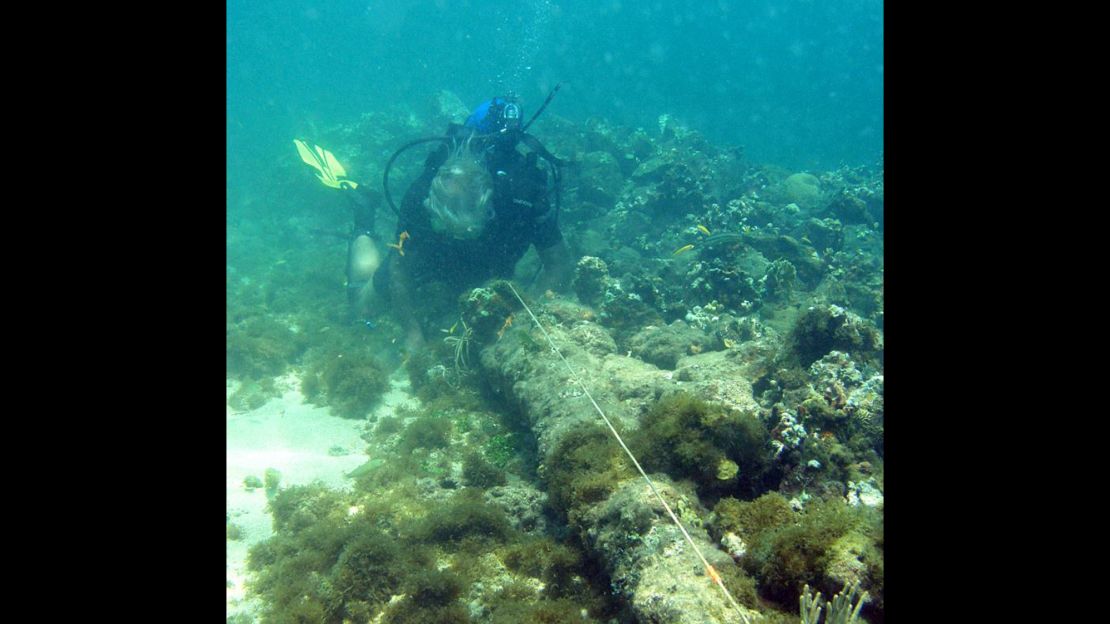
{"points": [[442, 266]]}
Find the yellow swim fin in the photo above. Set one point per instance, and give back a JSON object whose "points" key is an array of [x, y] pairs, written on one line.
{"points": [[328, 169]]}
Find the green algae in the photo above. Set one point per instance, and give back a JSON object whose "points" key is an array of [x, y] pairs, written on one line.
{"points": [[260, 347], [748, 519], [350, 382], [466, 518], [430, 598], [544, 558], [691, 439], [479, 472], [584, 468], [499, 449], [426, 432], [814, 547]]}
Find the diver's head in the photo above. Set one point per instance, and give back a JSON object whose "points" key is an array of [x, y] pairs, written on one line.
{"points": [[499, 116], [459, 198]]}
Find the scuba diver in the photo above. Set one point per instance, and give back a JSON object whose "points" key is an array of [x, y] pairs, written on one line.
{"points": [[470, 216]]}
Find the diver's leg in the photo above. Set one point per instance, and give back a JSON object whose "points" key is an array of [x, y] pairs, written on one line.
{"points": [[363, 260], [363, 256]]}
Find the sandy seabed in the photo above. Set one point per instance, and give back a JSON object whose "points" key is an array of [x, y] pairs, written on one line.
{"points": [[304, 443]]}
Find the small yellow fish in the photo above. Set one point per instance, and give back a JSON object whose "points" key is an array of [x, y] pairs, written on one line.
{"points": [[729, 343], [704, 230], [400, 245], [683, 249], [508, 323]]}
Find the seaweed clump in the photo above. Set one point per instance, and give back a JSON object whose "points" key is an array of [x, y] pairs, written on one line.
{"points": [[513, 607], [466, 518], [826, 546], [369, 568], [301, 506], [234, 531], [322, 567], [431, 597], [351, 383], [253, 394], [584, 468], [499, 449], [427, 432], [479, 472], [261, 347], [720, 450], [748, 519], [546, 559], [388, 425]]}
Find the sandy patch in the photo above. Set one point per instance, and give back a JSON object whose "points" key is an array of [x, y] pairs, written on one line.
{"points": [[301, 441]]}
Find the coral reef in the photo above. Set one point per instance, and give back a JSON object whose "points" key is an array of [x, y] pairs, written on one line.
{"points": [[823, 328], [728, 320]]}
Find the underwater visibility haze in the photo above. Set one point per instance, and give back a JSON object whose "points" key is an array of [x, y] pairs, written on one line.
{"points": [[609, 347]]}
